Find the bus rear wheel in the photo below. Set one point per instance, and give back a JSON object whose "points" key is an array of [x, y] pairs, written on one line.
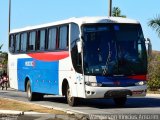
{"points": [[72, 101], [120, 101], [31, 95]]}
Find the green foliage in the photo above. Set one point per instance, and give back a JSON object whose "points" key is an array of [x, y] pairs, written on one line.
{"points": [[154, 72], [4, 56], [155, 24], [1, 48], [116, 12], [158, 58]]}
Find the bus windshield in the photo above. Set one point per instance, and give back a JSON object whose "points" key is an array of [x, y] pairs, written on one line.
{"points": [[114, 49]]}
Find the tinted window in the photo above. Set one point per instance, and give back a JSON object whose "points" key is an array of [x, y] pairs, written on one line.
{"points": [[42, 39], [11, 43], [114, 49], [52, 39], [63, 42], [17, 47], [23, 42], [32, 39]]}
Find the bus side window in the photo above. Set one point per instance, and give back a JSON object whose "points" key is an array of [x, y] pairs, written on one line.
{"points": [[23, 42], [17, 47], [40, 40], [63, 41], [11, 44], [32, 40], [52, 36]]}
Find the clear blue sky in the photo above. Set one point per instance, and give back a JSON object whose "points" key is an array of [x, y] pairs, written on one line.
{"points": [[34, 12]]}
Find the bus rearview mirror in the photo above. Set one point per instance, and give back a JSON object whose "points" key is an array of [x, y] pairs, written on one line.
{"points": [[79, 46], [148, 46]]}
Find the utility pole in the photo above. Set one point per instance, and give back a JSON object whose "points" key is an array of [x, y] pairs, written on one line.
{"points": [[9, 19], [9, 26], [110, 8]]}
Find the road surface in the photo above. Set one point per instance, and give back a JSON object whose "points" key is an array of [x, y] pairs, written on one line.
{"points": [[147, 105]]}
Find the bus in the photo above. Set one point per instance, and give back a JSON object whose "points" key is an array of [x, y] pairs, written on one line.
{"points": [[88, 57]]}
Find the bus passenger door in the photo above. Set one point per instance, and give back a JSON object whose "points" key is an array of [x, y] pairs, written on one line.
{"points": [[80, 85], [77, 64], [79, 76], [76, 57]]}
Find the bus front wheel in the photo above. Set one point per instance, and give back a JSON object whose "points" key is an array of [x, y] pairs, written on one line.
{"points": [[72, 101], [120, 101]]}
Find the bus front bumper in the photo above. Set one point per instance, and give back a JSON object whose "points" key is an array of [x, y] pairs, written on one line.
{"points": [[112, 92]]}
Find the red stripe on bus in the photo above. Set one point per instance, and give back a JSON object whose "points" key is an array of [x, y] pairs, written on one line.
{"points": [[49, 56], [138, 77]]}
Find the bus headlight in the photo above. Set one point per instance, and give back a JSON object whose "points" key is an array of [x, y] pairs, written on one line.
{"points": [[94, 84], [141, 83]]}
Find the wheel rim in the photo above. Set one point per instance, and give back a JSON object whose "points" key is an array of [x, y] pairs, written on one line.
{"points": [[29, 91], [69, 97]]}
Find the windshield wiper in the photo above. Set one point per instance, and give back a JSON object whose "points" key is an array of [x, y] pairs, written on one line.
{"points": [[106, 68]]}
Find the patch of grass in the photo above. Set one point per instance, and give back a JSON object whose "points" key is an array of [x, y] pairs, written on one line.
{"points": [[6, 104], [153, 92]]}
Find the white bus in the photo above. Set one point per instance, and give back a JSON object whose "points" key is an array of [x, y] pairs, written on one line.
{"points": [[89, 57]]}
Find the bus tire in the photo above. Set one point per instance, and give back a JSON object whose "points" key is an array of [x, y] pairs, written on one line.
{"points": [[31, 96], [120, 101], [72, 101]]}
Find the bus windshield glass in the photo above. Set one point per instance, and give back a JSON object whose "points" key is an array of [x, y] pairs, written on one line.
{"points": [[114, 49]]}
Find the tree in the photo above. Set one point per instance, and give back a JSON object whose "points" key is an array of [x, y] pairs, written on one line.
{"points": [[155, 24], [5, 61], [116, 12], [4, 58], [153, 72], [1, 48]]}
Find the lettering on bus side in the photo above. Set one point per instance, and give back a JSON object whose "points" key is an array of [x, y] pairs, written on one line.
{"points": [[30, 63]]}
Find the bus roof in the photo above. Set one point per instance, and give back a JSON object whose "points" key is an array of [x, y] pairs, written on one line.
{"points": [[79, 21]]}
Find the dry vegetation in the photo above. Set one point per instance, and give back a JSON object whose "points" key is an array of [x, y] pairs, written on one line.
{"points": [[6, 104], [154, 71]]}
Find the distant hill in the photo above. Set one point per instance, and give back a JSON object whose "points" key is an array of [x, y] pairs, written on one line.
{"points": [[156, 52]]}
